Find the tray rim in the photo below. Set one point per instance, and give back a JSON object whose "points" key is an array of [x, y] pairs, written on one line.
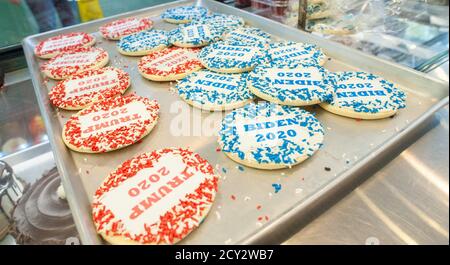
{"points": [[72, 184]]}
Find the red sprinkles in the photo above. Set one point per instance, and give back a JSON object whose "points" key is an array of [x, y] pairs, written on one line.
{"points": [[95, 88], [176, 223], [58, 70], [112, 139], [124, 27], [86, 40], [178, 61]]}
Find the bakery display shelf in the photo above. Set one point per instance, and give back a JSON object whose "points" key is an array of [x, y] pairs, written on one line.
{"points": [[252, 206]]}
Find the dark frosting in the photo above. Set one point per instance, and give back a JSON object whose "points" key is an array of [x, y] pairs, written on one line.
{"points": [[41, 217]]}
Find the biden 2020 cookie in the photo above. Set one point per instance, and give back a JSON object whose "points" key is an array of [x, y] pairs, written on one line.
{"points": [[229, 58], [270, 136], [143, 43], [184, 14], [363, 95], [155, 198], [215, 91], [284, 52], [192, 36], [293, 84]]}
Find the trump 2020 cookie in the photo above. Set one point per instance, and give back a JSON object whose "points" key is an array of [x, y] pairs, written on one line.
{"points": [[270, 136], [53, 46], [363, 95], [111, 124], [143, 43], [233, 58], [184, 14], [75, 62], [170, 64], [284, 52], [155, 198], [80, 91], [293, 84], [215, 91], [123, 27]]}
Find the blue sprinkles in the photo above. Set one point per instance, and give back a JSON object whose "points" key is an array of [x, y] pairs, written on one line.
{"points": [[249, 36], [210, 88], [185, 13], [292, 83], [277, 187], [225, 23], [144, 41], [222, 55], [288, 51], [288, 151], [345, 83]]}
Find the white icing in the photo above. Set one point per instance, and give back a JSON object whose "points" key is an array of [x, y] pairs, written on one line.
{"points": [[293, 78], [65, 41], [75, 59], [172, 59], [139, 42], [128, 197], [103, 121], [364, 91], [107, 80], [120, 28], [232, 52], [254, 133]]}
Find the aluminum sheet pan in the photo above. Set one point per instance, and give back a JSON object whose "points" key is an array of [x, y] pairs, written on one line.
{"points": [[350, 151]]}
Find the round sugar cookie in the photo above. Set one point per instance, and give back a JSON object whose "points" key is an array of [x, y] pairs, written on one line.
{"points": [[143, 42], [192, 36], [123, 27], [75, 62], [230, 58], [292, 84], [365, 96], [80, 91], [111, 124], [53, 46], [226, 23], [270, 136], [284, 52], [155, 198], [184, 14], [215, 91], [170, 64], [249, 36]]}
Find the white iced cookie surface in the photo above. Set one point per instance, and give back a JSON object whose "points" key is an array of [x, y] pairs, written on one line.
{"points": [[184, 14], [270, 136], [158, 197], [364, 96]]}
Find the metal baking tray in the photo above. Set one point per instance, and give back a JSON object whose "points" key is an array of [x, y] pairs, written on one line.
{"points": [[247, 209]]}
